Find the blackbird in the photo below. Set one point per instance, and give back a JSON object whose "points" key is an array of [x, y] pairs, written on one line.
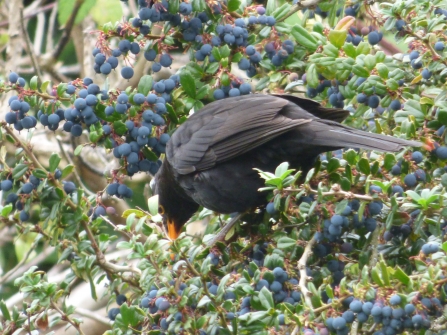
{"points": [[210, 158]]}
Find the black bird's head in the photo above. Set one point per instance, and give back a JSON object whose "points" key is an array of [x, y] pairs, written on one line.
{"points": [[174, 204]]}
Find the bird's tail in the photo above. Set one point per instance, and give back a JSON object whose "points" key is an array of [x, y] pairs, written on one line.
{"points": [[332, 134]]}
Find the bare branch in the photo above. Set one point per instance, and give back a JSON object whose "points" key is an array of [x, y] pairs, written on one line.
{"points": [[303, 274]]}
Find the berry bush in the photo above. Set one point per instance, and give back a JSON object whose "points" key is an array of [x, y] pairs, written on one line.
{"points": [[356, 246]]}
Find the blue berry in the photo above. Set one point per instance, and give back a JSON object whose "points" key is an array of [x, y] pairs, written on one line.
{"points": [[362, 98], [127, 72], [426, 74], [373, 101], [410, 180], [414, 55], [373, 38], [430, 248], [396, 170], [69, 187], [395, 300], [234, 92], [270, 208], [13, 77], [113, 313], [185, 8], [395, 105], [375, 207], [439, 46], [416, 65], [356, 306], [156, 67], [165, 60]]}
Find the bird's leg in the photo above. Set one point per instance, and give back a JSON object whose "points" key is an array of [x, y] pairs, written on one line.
{"points": [[224, 231]]}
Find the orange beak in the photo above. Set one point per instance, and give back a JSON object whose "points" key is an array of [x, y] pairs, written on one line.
{"points": [[173, 232]]}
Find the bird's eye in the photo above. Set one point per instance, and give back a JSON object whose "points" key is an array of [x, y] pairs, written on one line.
{"points": [[161, 209]]}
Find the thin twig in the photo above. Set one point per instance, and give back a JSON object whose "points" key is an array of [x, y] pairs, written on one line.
{"points": [[374, 244], [303, 274], [30, 15], [67, 31], [101, 258], [347, 195], [91, 315], [224, 231], [28, 45], [354, 327], [75, 172], [65, 317], [21, 267], [298, 6], [8, 274]]}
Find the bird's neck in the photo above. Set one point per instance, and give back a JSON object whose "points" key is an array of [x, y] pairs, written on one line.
{"points": [[180, 204]]}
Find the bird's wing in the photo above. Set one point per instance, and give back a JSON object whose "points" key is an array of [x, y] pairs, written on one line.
{"points": [[227, 128], [315, 108]]}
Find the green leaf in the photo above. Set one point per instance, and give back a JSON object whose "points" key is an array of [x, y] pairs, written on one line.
{"points": [[78, 150], [204, 301], [119, 127], [223, 283], [6, 210], [389, 161], [203, 91], [349, 49], [363, 48], [364, 167], [39, 173], [303, 37], [67, 170], [212, 68], [152, 204], [33, 83], [225, 51], [281, 12], [400, 275], [149, 154], [19, 170], [233, 5], [376, 277], [188, 84], [44, 86], [345, 184], [337, 37], [285, 242], [351, 156], [383, 70], [281, 169], [385, 275], [266, 298], [5, 310], [216, 53], [265, 31], [174, 6], [333, 165], [370, 62], [54, 162], [340, 207], [360, 71], [312, 76], [413, 195], [145, 84]]}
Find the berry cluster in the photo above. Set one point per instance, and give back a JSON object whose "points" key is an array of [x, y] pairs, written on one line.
{"points": [[236, 89], [393, 316]]}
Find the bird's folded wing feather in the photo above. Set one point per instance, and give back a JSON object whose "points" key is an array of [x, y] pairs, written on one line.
{"points": [[225, 129]]}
